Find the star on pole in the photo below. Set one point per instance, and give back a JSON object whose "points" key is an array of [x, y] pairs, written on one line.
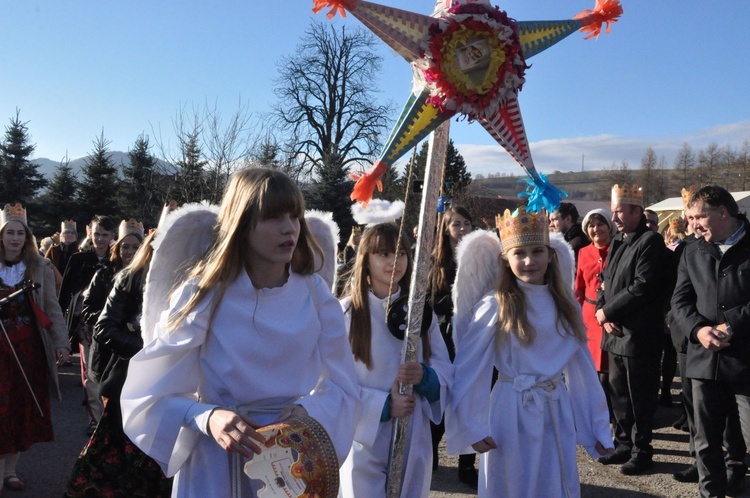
{"points": [[468, 59]]}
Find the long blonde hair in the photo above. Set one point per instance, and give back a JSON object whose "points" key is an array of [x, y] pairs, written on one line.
{"points": [[378, 238], [252, 195], [511, 301], [141, 260]]}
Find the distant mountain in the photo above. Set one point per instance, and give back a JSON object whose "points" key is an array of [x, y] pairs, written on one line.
{"points": [[47, 166]]}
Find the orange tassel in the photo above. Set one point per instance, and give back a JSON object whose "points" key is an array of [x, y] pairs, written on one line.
{"points": [[337, 6], [605, 11], [366, 183]]}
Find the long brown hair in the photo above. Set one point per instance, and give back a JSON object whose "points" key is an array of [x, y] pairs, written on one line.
{"points": [[29, 253], [378, 238], [511, 301], [115, 257], [252, 195], [442, 253]]}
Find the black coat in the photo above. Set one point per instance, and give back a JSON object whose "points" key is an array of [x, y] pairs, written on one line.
{"points": [[118, 330], [93, 303], [633, 295], [713, 289], [575, 237]]}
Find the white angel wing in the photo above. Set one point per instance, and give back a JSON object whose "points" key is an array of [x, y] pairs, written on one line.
{"points": [[565, 257], [478, 259], [180, 240], [326, 233]]}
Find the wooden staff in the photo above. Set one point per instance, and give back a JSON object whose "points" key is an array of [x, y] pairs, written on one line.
{"points": [[438, 147]]}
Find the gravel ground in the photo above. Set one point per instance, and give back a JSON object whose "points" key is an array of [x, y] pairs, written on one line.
{"points": [[602, 481]]}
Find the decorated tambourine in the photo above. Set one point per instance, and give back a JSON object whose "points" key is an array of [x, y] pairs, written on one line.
{"points": [[298, 460], [468, 59], [398, 313]]}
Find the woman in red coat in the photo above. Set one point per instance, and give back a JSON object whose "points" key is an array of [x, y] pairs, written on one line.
{"points": [[598, 226]]}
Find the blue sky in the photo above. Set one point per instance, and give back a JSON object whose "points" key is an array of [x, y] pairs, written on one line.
{"points": [[669, 72]]}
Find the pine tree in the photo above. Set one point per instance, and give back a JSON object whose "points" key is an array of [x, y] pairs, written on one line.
{"points": [[330, 191], [20, 179], [456, 177], [97, 193], [191, 180], [140, 196], [61, 194]]}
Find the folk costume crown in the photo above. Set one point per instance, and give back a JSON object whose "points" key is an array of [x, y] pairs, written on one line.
{"points": [[68, 225], [522, 228], [13, 213], [627, 194], [687, 193], [676, 225], [168, 208], [130, 227]]}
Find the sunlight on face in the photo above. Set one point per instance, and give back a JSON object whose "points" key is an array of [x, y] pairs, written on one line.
{"points": [[128, 248], [14, 238], [381, 271], [457, 228], [529, 263]]}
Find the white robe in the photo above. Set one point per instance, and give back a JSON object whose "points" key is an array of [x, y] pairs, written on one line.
{"points": [[363, 474], [536, 431], [264, 348]]}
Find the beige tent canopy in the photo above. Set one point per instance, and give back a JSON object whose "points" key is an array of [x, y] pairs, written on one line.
{"points": [[672, 207]]}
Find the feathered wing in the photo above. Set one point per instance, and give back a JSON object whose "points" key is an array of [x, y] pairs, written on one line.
{"points": [[478, 256], [326, 233], [565, 257], [180, 241]]}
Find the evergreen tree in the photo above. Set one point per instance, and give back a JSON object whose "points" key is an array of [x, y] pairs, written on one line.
{"points": [[97, 193], [456, 177], [190, 185], [20, 179], [61, 194], [330, 191], [140, 196]]}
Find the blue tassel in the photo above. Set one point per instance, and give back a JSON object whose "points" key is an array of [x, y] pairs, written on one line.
{"points": [[541, 194]]}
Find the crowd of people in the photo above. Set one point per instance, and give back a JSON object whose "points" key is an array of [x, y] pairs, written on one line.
{"points": [[540, 335]]}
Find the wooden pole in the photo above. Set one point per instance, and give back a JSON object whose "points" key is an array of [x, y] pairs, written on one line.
{"points": [[438, 147]]}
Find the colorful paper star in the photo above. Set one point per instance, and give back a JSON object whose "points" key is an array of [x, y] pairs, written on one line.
{"points": [[468, 58]]}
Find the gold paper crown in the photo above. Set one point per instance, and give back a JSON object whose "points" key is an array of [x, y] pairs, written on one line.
{"points": [[356, 230], [168, 208], [130, 227], [67, 225], [627, 194], [13, 213], [687, 193], [676, 225], [522, 228]]}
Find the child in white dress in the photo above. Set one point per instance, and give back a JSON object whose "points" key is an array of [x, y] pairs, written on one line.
{"points": [[547, 398], [376, 286], [252, 336]]}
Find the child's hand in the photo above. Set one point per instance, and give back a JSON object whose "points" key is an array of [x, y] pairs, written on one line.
{"points": [[235, 432], [402, 405], [602, 450], [484, 445], [410, 373]]}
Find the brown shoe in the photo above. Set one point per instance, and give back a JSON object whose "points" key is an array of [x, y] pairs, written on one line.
{"points": [[14, 483]]}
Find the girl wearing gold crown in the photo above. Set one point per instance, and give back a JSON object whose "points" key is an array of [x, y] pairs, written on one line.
{"points": [[375, 316], [251, 336], [547, 398], [33, 343]]}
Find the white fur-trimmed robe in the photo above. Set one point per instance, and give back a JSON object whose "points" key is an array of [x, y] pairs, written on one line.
{"points": [[363, 474]]}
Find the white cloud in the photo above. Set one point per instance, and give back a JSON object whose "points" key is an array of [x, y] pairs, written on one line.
{"points": [[600, 151]]}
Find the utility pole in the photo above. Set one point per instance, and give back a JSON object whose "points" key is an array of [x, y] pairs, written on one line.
{"points": [[582, 157]]}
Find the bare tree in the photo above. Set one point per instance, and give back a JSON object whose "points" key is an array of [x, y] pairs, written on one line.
{"points": [[684, 163], [742, 158], [648, 178], [709, 160], [326, 103], [620, 174]]}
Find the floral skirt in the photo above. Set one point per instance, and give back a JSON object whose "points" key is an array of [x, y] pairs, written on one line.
{"points": [[112, 466]]}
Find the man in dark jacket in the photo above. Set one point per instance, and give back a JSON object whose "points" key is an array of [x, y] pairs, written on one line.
{"points": [[630, 307], [78, 274], [711, 304], [565, 220]]}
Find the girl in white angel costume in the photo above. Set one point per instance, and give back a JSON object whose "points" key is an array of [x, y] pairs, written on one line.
{"points": [[252, 336], [379, 278], [547, 398]]}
